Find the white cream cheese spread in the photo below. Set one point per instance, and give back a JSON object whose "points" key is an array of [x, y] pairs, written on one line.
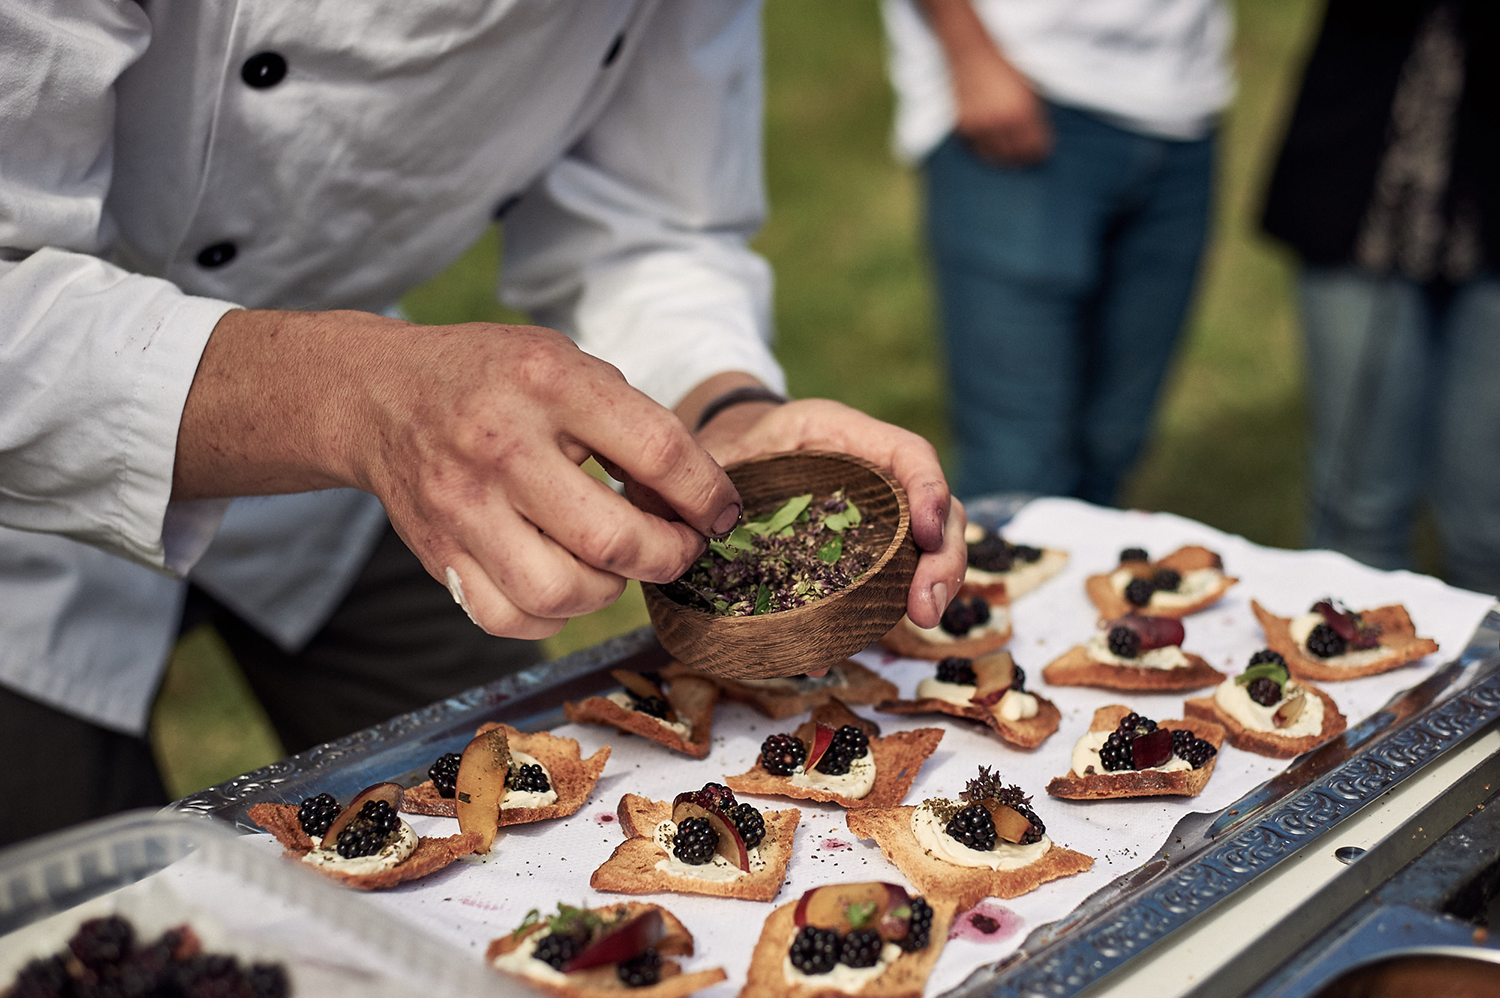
{"points": [[1234, 700], [1013, 706], [401, 845], [1086, 758], [717, 869], [682, 727], [520, 961], [1194, 586], [529, 798], [1169, 657], [1303, 626], [937, 843], [854, 784]]}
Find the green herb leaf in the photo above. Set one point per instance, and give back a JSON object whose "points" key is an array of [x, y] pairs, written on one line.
{"points": [[1264, 670], [532, 917], [837, 522], [740, 537], [782, 518], [830, 552], [723, 550], [762, 599], [853, 513], [859, 914]]}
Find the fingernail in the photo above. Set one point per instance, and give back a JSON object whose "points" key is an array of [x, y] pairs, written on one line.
{"points": [[940, 596], [727, 520]]}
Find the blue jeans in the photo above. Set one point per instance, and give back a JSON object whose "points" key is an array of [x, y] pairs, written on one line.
{"points": [[1063, 287], [1404, 393]]}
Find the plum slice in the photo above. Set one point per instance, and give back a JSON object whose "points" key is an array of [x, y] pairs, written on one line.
{"points": [[643, 687], [391, 793], [621, 942], [994, 674], [1151, 749], [1010, 825], [481, 785], [1154, 632], [700, 804], [817, 737], [876, 904]]}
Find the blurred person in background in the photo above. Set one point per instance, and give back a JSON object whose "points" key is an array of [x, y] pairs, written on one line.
{"points": [[1066, 148], [1388, 189], [205, 211]]}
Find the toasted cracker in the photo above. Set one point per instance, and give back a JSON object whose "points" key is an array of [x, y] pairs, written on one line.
{"points": [[1185, 559], [432, 853], [857, 685], [898, 758], [631, 869], [600, 982], [908, 640], [1269, 743], [1026, 733], [890, 827], [1076, 668], [1003, 587], [692, 697], [1135, 783], [906, 977], [573, 777], [1397, 634]]}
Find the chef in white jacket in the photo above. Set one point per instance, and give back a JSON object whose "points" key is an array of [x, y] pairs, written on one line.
{"points": [[207, 212]]}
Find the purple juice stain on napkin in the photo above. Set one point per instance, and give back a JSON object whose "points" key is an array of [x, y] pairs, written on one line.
{"points": [[986, 922]]}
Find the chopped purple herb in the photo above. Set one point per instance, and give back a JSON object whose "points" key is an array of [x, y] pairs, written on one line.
{"points": [[788, 557]]}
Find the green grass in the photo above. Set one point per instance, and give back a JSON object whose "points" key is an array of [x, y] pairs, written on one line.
{"points": [[854, 320]]}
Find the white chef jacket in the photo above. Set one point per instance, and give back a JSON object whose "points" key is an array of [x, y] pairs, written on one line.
{"points": [[1159, 67], [163, 161]]}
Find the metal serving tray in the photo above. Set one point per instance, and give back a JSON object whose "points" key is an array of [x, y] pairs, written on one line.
{"points": [[1212, 857]]}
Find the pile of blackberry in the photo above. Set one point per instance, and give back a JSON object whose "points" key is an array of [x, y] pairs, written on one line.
{"points": [[527, 778], [1115, 753], [444, 774], [652, 706], [1264, 691], [317, 813], [1134, 554], [1018, 680], [369, 832], [1325, 642], [919, 929], [640, 971], [965, 614], [990, 786], [557, 947], [849, 743], [1138, 592], [973, 827], [695, 842], [816, 951], [1123, 641], [1166, 579], [993, 553], [104, 958], [1197, 752], [1267, 655], [782, 754], [749, 823], [861, 948], [954, 669]]}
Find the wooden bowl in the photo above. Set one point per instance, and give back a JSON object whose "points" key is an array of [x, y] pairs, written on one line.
{"points": [[791, 642]]}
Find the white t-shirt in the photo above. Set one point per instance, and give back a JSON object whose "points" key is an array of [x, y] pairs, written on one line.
{"points": [[1160, 67]]}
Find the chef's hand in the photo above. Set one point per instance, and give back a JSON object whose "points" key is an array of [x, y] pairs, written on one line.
{"points": [[937, 519], [998, 114], [472, 436]]}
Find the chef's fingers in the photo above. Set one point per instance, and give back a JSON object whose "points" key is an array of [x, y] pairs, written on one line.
{"points": [[939, 573], [488, 607], [600, 528]]}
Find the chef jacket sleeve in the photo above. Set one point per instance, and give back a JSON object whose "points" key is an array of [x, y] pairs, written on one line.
{"points": [[636, 242], [95, 362]]}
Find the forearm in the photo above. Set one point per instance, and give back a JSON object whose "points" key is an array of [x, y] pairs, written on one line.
{"points": [[966, 42]]}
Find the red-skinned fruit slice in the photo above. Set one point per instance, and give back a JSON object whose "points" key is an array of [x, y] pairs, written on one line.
{"points": [[817, 737], [623, 942], [643, 687], [994, 674], [480, 786], [1286, 715], [1154, 632], [391, 793], [873, 902], [1152, 749], [696, 804], [1010, 825], [1346, 624]]}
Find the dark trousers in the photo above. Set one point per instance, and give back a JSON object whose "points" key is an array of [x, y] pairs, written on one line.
{"points": [[397, 642]]}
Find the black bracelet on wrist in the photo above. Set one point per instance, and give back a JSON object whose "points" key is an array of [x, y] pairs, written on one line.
{"points": [[737, 396]]}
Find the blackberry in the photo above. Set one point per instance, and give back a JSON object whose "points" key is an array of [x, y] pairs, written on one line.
{"points": [[749, 823], [382, 814], [317, 813], [1026, 553], [640, 971], [815, 950], [954, 669], [1133, 725], [1325, 642], [1267, 655], [652, 706], [1038, 828], [268, 980], [444, 774], [1187, 746], [102, 941], [782, 754], [861, 948], [1264, 691], [991, 554], [1133, 554], [963, 615], [1124, 642], [919, 929], [695, 842], [528, 778], [1018, 680], [721, 794], [556, 948], [1138, 592], [367, 834], [1166, 579], [1114, 754], [45, 977], [973, 827], [849, 743]]}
